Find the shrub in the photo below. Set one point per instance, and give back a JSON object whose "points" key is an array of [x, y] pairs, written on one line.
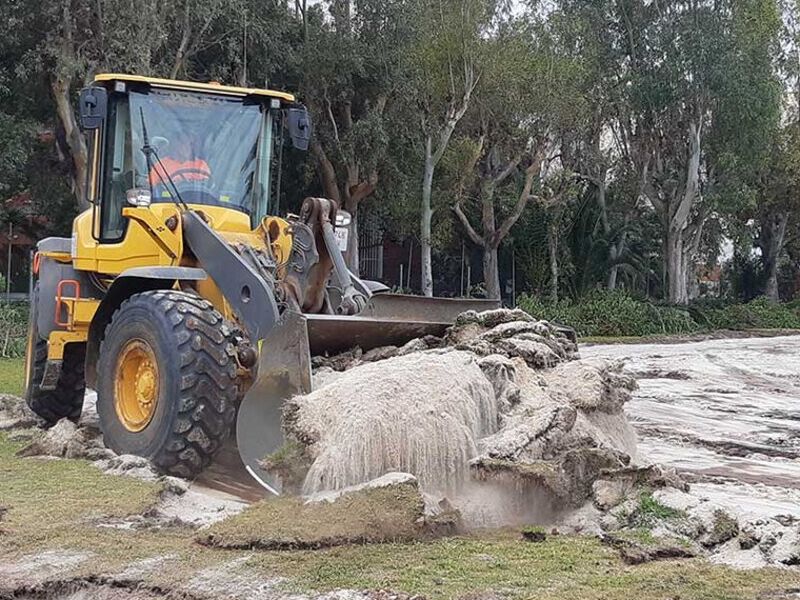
{"points": [[13, 329], [760, 313], [618, 314], [611, 313]]}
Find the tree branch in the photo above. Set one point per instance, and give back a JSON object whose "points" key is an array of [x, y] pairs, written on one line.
{"points": [[531, 173], [327, 172], [508, 170], [471, 233]]}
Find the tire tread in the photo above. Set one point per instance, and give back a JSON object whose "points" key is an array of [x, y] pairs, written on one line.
{"points": [[66, 400], [207, 379]]}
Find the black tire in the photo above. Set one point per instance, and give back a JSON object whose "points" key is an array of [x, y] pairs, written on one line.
{"points": [[66, 400], [196, 397]]}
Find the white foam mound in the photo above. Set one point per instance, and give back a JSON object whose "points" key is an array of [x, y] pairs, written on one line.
{"points": [[499, 402], [420, 413]]}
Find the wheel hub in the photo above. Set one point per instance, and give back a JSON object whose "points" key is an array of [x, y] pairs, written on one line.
{"points": [[136, 385]]}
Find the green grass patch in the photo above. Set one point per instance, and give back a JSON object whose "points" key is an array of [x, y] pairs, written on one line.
{"points": [[56, 505], [502, 563], [373, 515], [12, 376], [650, 507], [59, 504], [44, 498]]}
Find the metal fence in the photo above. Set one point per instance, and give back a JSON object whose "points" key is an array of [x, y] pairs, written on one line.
{"points": [[370, 247]]}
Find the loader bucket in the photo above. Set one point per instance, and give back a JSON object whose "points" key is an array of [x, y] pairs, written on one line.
{"points": [[284, 367]]}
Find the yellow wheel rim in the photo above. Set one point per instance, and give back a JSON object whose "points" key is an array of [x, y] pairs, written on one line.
{"points": [[136, 385]]}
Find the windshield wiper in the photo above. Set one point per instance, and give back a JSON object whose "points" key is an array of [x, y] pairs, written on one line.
{"points": [[149, 153]]}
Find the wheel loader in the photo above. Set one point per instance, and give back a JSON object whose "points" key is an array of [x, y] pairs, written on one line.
{"points": [[182, 298]]}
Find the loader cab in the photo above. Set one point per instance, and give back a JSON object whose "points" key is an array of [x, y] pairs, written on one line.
{"points": [[157, 142]]}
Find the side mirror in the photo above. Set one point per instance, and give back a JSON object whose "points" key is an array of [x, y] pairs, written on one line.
{"points": [[92, 107], [299, 127]]}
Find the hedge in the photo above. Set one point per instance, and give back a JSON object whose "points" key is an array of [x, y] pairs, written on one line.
{"points": [[616, 313]]}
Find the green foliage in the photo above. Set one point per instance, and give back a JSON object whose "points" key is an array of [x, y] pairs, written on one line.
{"points": [[606, 90], [16, 141], [13, 328], [604, 313], [760, 313], [612, 314]]}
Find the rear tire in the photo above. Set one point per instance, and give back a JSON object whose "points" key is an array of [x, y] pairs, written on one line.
{"points": [[193, 365], [66, 400]]}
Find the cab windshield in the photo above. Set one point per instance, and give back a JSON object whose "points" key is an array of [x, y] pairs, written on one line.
{"points": [[216, 150]]}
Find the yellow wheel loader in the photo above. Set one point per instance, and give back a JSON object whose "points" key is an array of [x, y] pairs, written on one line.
{"points": [[181, 298]]}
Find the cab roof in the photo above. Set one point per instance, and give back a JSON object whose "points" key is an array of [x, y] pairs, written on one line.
{"points": [[194, 86]]}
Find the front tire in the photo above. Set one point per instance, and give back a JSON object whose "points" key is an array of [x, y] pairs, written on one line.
{"points": [[167, 381]]}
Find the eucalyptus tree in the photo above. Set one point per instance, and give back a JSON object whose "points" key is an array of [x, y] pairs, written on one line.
{"points": [[445, 67], [68, 42], [352, 66], [778, 203], [525, 105], [778, 197], [698, 78]]}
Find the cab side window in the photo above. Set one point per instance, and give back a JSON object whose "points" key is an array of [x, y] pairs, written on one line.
{"points": [[118, 171]]}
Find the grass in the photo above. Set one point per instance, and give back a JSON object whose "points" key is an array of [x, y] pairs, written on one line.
{"points": [[371, 515], [12, 376], [562, 567], [650, 507], [647, 512], [45, 498], [56, 505]]}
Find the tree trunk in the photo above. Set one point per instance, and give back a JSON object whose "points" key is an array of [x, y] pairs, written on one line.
{"points": [[327, 173], [491, 272], [613, 253], [552, 247], [426, 217], [351, 255], [611, 284], [771, 252], [180, 53], [60, 87], [675, 264], [771, 286]]}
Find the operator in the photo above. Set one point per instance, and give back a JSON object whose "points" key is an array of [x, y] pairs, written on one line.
{"points": [[182, 164]]}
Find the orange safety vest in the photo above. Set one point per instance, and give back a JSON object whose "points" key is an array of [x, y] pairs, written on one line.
{"points": [[200, 170]]}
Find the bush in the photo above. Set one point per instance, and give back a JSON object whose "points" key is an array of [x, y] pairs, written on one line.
{"points": [[13, 329], [618, 314], [611, 313], [760, 313]]}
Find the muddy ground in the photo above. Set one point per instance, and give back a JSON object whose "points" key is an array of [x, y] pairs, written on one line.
{"points": [[726, 414], [723, 413]]}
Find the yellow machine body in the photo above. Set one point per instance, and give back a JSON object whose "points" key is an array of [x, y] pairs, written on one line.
{"points": [[149, 241]]}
